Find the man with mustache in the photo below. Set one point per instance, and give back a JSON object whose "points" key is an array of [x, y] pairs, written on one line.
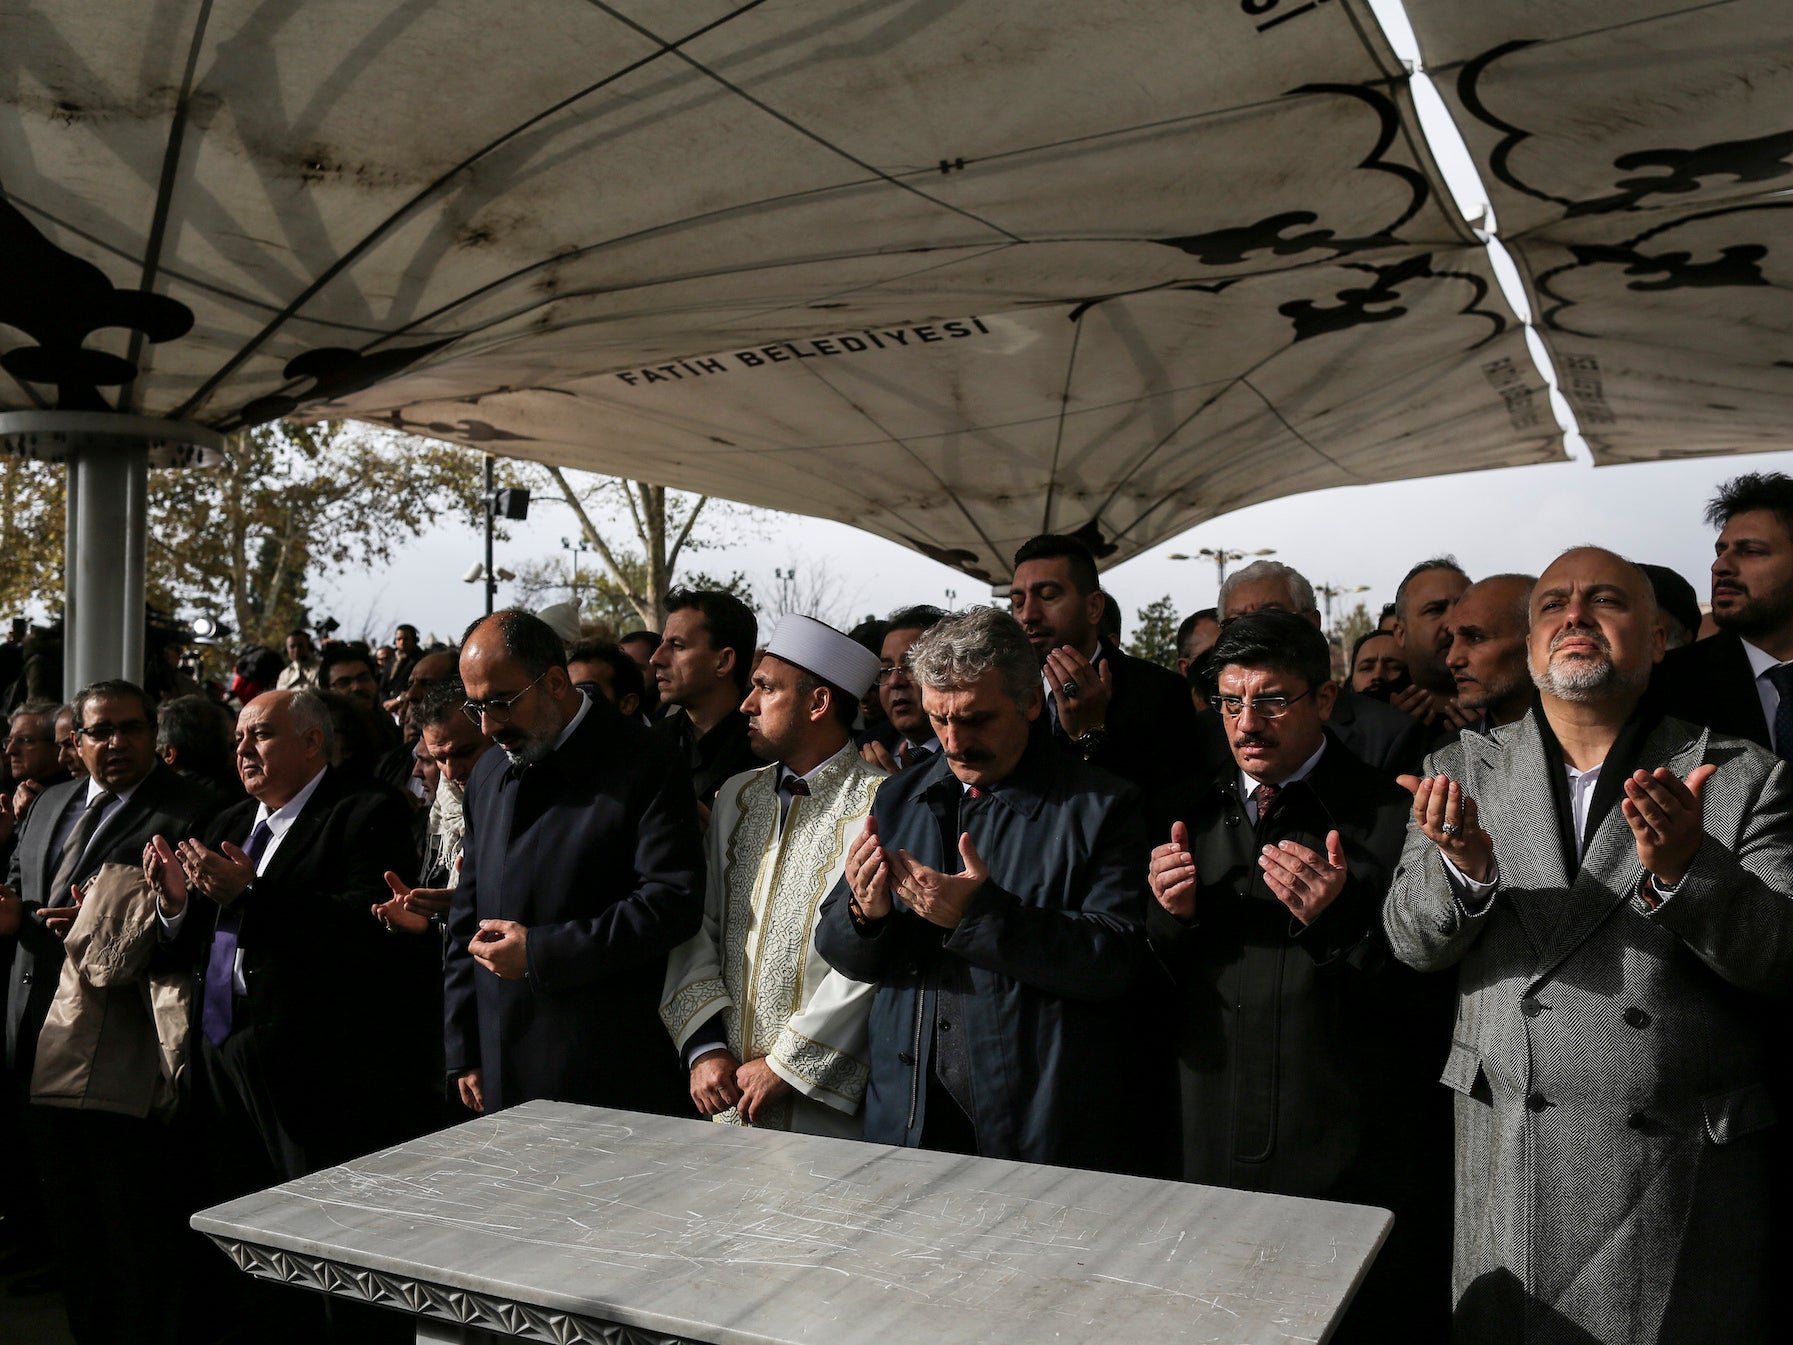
{"points": [[1306, 1054], [996, 898], [581, 869], [1737, 681], [1422, 602], [1612, 887]]}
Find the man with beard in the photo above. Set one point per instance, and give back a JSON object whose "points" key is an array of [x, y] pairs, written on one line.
{"points": [[1377, 668], [1121, 713], [1738, 680], [899, 695], [701, 668], [581, 868], [1422, 602], [773, 1036], [1613, 886], [1485, 649]]}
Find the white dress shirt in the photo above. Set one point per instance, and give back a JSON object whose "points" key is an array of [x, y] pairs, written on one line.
{"points": [[1760, 665]]}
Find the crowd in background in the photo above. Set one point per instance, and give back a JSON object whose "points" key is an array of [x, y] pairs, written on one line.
{"points": [[1487, 920]]}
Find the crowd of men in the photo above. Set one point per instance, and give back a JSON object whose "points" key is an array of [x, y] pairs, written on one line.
{"points": [[1492, 932]]}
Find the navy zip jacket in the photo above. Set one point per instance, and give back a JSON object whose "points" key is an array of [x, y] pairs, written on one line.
{"points": [[1055, 947]]}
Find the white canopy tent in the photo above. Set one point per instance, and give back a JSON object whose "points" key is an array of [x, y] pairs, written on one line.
{"points": [[953, 272]]}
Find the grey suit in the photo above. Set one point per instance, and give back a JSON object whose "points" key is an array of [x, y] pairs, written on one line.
{"points": [[1609, 1062]]}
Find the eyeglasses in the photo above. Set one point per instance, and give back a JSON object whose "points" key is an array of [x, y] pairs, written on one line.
{"points": [[498, 708], [103, 732], [884, 674], [1265, 707], [22, 740]]}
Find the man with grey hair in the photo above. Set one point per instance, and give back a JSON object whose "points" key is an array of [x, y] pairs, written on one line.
{"points": [[312, 1021], [996, 897], [1612, 887], [1372, 731]]}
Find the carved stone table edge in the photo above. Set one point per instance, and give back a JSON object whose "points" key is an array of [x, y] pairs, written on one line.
{"points": [[422, 1298]]}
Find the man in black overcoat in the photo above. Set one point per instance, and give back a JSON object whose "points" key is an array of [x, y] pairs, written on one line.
{"points": [[1124, 714], [1308, 1056], [581, 868]]}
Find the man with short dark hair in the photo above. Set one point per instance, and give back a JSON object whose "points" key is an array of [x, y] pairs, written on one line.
{"points": [[1612, 888], [996, 898], [1484, 649], [349, 670], [604, 666], [1196, 636], [897, 693], [581, 868], [98, 1169], [1739, 681], [1422, 602], [1306, 1055], [772, 1036], [301, 663], [640, 646], [1124, 714], [701, 667], [406, 650], [1373, 731], [1377, 669]]}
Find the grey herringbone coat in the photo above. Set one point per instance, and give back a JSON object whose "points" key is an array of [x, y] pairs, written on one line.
{"points": [[1612, 1120]]}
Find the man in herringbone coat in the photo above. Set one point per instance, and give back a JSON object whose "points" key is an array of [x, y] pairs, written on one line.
{"points": [[1614, 889]]}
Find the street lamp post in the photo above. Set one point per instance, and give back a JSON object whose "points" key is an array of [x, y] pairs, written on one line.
{"points": [[1222, 557], [1331, 591]]}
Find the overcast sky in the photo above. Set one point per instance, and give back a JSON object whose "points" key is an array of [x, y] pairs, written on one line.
{"points": [[1515, 519]]}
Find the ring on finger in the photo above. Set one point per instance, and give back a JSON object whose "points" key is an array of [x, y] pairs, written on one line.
{"points": [[1069, 688], [1450, 828]]}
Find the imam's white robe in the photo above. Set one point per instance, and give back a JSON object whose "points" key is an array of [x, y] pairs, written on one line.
{"points": [[755, 959]]}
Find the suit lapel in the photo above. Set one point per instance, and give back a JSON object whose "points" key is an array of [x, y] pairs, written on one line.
{"points": [[299, 838], [39, 866], [1610, 870], [1515, 796]]}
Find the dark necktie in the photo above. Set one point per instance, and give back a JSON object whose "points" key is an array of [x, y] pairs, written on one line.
{"points": [[1782, 677], [795, 785], [219, 1006], [1265, 797], [908, 754], [68, 863]]}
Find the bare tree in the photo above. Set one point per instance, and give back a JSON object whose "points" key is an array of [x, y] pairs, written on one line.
{"points": [[806, 588]]}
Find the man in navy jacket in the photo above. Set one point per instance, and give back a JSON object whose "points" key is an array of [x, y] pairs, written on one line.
{"points": [[997, 898], [581, 868]]}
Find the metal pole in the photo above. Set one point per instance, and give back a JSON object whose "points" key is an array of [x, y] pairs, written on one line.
{"points": [[491, 506], [107, 523]]}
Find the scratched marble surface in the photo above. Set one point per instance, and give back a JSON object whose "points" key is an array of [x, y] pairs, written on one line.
{"points": [[744, 1238]]}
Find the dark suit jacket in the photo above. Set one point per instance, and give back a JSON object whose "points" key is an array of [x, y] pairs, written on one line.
{"points": [[713, 758], [596, 851], [1389, 740], [338, 1039], [1709, 683], [163, 803], [1151, 728], [1307, 1054]]}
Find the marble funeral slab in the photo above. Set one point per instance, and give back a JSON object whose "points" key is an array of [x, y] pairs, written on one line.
{"points": [[551, 1221]]}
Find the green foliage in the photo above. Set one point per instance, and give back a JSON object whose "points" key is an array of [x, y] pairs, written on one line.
{"points": [[1355, 623], [1155, 634], [31, 525], [292, 503]]}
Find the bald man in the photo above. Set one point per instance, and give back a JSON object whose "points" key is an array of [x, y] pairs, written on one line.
{"points": [[1613, 887]]}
